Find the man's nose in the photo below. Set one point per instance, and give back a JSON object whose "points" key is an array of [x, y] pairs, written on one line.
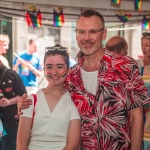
{"points": [[87, 35]]}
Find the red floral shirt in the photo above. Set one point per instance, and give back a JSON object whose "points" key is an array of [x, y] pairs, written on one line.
{"points": [[105, 116]]}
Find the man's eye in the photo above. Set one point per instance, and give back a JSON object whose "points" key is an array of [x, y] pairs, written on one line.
{"points": [[93, 31], [81, 32]]}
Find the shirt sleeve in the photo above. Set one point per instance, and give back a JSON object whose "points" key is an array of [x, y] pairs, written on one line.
{"points": [[29, 111], [40, 64], [74, 112], [137, 91], [18, 84]]}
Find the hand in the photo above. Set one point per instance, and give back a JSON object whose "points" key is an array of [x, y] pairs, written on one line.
{"points": [[23, 103], [4, 102]]}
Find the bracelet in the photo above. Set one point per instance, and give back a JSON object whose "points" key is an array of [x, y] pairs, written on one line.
{"points": [[33, 69]]}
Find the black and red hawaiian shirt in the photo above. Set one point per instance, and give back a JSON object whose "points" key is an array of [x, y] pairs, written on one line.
{"points": [[105, 116]]}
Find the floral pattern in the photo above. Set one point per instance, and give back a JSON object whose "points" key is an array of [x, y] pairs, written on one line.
{"points": [[105, 116]]}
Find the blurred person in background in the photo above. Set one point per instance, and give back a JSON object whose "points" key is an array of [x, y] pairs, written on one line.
{"points": [[12, 87], [144, 67], [117, 45], [29, 65], [145, 45], [72, 62], [4, 45]]}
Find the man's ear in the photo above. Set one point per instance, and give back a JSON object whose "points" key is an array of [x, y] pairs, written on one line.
{"points": [[104, 34]]}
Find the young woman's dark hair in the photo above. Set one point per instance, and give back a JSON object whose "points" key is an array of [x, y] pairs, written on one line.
{"points": [[57, 50]]}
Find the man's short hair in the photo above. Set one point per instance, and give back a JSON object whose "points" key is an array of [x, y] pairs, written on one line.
{"points": [[90, 13]]}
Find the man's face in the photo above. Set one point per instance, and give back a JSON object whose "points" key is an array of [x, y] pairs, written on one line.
{"points": [[3, 47], [90, 43], [33, 46]]}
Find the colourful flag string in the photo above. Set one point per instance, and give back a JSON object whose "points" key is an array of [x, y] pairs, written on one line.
{"points": [[122, 16], [146, 23], [138, 5], [116, 1], [33, 16], [58, 17]]}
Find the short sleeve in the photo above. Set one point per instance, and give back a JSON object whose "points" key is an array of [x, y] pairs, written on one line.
{"points": [[29, 111], [18, 85], [137, 91], [74, 112]]}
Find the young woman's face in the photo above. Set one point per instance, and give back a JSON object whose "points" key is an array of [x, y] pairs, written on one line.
{"points": [[145, 44], [55, 69]]}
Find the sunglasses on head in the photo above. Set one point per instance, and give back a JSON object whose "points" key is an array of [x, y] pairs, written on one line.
{"points": [[56, 47], [146, 34]]}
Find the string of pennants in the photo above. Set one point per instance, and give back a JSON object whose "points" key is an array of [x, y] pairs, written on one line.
{"points": [[34, 16], [124, 17]]}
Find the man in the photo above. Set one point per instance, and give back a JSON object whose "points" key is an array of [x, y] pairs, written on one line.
{"points": [[118, 45], [107, 90], [4, 42], [12, 87], [29, 65]]}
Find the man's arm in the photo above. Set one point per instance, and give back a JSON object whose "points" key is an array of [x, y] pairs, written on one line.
{"points": [[34, 70], [23, 103], [136, 119], [4, 102]]}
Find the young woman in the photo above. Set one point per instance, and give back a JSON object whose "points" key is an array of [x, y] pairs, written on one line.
{"points": [[56, 123]]}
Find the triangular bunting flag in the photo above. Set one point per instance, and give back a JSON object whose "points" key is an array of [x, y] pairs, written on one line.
{"points": [[33, 16], [146, 23], [122, 16], [116, 1], [138, 5], [58, 18]]}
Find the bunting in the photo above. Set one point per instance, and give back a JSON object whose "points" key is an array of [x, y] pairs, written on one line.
{"points": [[138, 5], [58, 18], [116, 1], [33, 16], [146, 23], [122, 16]]}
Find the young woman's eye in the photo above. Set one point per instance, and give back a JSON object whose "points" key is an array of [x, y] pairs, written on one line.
{"points": [[48, 67], [60, 66]]}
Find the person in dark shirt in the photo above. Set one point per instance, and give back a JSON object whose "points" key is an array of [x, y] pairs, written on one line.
{"points": [[12, 87]]}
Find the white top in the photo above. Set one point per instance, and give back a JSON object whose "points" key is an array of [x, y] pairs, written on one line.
{"points": [[90, 80], [4, 61], [140, 63], [51, 126]]}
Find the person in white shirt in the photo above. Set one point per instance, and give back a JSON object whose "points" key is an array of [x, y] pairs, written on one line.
{"points": [[56, 123], [4, 45]]}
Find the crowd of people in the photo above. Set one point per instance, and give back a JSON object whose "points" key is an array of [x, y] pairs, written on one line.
{"points": [[97, 104]]}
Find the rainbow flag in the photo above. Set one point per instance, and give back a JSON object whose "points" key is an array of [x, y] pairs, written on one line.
{"points": [[138, 5], [58, 17], [34, 19], [146, 23], [116, 1], [122, 16]]}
